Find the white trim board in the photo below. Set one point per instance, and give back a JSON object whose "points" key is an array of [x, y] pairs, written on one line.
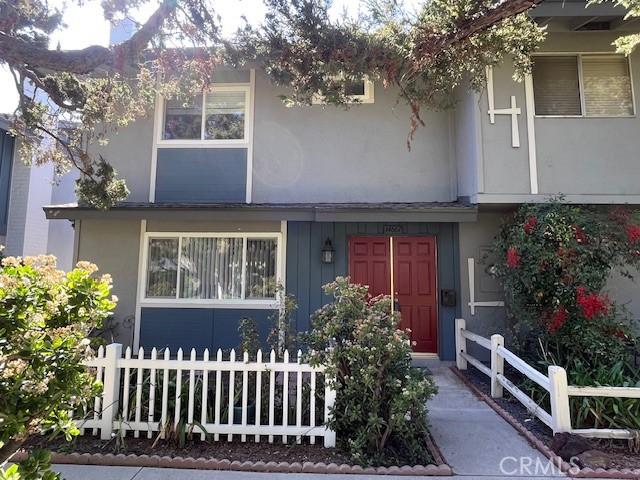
{"points": [[471, 264], [514, 110]]}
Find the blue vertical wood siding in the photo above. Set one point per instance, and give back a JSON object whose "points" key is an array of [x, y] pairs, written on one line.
{"points": [[306, 273], [7, 143]]}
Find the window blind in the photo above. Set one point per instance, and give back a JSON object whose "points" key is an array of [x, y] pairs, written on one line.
{"points": [[607, 85], [556, 85]]}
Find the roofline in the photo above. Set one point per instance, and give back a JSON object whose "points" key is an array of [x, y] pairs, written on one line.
{"points": [[364, 212]]}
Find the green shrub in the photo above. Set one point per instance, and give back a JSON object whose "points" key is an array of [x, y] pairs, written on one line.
{"points": [[45, 319], [380, 413]]}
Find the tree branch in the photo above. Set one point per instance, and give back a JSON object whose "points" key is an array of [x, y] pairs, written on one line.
{"points": [[19, 52], [433, 43]]}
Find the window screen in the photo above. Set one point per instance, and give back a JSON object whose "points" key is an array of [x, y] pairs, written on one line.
{"points": [[607, 85], [556, 85]]}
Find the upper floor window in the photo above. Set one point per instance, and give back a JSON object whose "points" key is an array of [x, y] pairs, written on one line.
{"points": [[588, 85], [218, 116], [223, 268], [361, 91]]}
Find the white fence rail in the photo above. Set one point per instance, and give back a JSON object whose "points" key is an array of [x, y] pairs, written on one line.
{"points": [[555, 382], [263, 398]]}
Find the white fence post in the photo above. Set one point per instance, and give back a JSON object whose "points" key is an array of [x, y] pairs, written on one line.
{"points": [[111, 389], [497, 365], [461, 344], [329, 400], [559, 395]]}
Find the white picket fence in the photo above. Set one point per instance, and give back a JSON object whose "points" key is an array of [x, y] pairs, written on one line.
{"points": [[139, 393], [555, 382]]}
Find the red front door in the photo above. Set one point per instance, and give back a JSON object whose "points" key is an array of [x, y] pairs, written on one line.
{"points": [[413, 280], [370, 263], [414, 268]]}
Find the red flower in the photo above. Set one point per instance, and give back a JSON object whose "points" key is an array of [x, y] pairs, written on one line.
{"points": [[591, 304], [557, 320], [581, 236], [633, 233], [530, 225], [620, 215], [620, 334], [513, 258]]}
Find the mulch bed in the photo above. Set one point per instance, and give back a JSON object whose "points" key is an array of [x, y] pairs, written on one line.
{"points": [[223, 455], [236, 450], [617, 452]]}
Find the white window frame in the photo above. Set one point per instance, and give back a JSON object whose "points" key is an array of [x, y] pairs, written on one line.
{"points": [[583, 109], [246, 88], [368, 97], [253, 303]]}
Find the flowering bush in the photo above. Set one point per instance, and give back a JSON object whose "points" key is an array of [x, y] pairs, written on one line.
{"points": [[380, 413], [45, 318], [554, 261]]}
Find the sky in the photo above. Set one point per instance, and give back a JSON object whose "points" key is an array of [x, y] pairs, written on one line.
{"points": [[87, 26]]}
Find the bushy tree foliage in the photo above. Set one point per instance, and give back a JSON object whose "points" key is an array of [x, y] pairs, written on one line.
{"points": [[45, 319], [380, 413], [90, 94]]}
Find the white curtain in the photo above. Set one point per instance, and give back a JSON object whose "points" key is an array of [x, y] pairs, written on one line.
{"points": [[261, 268], [211, 268]]}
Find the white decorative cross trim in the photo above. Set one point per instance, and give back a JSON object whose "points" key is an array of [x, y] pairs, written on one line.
{"points": [[471, 262], [514, 110]]}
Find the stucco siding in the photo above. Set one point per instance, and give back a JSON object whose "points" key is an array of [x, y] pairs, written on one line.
{"points": [[129, 150], [475, 242], [579, 157], [113, 245], [329, 154]]}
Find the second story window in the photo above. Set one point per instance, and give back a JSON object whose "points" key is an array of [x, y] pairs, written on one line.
{"points": [[217, 116], [587, 85]]}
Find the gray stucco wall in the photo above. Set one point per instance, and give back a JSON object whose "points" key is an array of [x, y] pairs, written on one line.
{"points": [[575, 156], [328, 154], [129, 151], [113, 245]]}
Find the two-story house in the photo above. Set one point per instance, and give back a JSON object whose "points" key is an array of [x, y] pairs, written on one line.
{"points": [[237, 193]]}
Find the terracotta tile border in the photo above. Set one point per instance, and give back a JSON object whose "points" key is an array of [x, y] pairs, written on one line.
{"points": [[201, 463], [540, 445]]}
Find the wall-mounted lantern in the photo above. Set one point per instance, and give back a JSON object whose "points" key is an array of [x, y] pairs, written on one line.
{"points": [[328, 252]]}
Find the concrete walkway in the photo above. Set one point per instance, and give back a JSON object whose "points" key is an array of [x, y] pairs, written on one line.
{"points": [[474, 439]]}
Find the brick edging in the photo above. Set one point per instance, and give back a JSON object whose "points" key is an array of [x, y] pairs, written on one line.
{"points": [[540, 445], [201, 463]]}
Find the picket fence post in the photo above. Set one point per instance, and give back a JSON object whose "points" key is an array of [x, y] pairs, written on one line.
{"points": [[329, 400], [461, 344], [559, 396], [497, 365], [111, 389]]}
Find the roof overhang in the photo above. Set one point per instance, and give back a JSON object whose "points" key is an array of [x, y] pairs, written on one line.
{"points": [[328, 212]]}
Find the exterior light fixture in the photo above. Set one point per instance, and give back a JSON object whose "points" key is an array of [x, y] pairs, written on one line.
{"points": [[328, 252]]}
